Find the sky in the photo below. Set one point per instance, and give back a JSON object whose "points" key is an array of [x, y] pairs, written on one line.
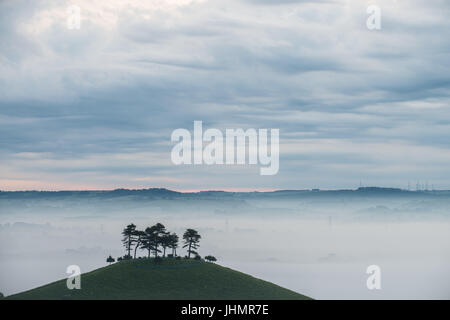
{"points": [[94, 107]]}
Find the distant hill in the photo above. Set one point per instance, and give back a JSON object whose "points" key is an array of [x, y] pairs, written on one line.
{"points": [[166, 194], [170, 279]]}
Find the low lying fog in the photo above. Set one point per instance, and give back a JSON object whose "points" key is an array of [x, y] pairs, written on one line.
{"points": [[318, 248]]}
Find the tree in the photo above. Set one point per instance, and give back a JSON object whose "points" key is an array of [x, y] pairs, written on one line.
{"points": [[128, 237], [159, 230], [210, 258], [139, 236], [191, 241], [153, 238], [165, 242], [173, 243], [110, 260], [149, 241]]}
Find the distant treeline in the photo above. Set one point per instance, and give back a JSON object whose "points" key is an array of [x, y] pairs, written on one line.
{"points": [[162, 193]]}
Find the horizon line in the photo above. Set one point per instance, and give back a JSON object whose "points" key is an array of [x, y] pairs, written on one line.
{"points": [[227, 190]]}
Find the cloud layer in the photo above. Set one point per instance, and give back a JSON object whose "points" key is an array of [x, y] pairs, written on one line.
{"points": [[95, 107]]}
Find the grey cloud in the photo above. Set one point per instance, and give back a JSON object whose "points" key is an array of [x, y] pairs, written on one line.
{"points": [[123, 90]]}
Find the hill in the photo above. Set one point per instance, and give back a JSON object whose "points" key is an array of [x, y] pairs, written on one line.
{"points": [[169, 279]]}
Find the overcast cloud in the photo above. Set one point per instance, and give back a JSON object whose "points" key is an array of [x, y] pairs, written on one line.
{"points": [[95, 107]]}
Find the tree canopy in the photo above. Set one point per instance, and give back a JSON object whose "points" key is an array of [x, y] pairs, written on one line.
{"points": [[191, 241], [210, 258], [156, 239], [129, 237]]}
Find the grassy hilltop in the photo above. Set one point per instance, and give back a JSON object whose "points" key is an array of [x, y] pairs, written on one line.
{"points": [[169, 279]]}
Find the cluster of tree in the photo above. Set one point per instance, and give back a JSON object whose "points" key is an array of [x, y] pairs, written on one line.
{"points": [[156, 239]]}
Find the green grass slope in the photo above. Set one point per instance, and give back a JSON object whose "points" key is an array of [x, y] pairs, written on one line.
{"points": [[170, 279]]}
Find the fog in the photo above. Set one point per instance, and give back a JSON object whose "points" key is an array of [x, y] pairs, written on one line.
{"points": [[317, 244]]}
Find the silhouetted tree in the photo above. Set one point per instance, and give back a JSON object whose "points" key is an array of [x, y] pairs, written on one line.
{"points": [[159, 230], [165, 242], [173, 243], [110, 260], [191, 241], [139, 236], [128, 237], [210, 258], [153, 238], [149, 241]]}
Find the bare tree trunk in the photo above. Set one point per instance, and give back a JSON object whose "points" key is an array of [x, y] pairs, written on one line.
{"points": [[135, 249]]}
